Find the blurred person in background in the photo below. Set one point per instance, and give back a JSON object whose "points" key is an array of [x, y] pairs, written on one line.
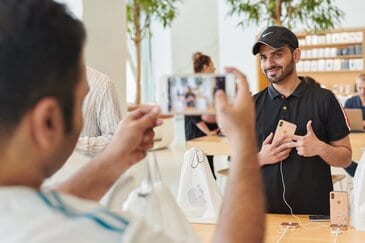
{"points": [[358, 101], [202, 125], [101, 113]]}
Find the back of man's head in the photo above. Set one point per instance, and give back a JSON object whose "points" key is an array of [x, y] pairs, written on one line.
{"points": [[40, 49], [361, 77]]}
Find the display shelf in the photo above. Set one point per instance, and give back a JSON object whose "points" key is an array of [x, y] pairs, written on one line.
{"points": [[329, 45], [336, 57], [333, 58]]}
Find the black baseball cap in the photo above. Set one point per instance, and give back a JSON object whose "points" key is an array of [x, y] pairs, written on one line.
{"points": [[276, 37]]}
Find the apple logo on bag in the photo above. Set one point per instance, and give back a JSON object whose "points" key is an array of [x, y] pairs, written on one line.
{"points": [[196, 197]]}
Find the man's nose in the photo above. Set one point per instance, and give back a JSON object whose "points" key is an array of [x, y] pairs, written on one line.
{"points": [[270, 62]]}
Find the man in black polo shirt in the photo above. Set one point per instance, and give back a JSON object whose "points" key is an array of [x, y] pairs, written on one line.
{"points": [[299, 163]]}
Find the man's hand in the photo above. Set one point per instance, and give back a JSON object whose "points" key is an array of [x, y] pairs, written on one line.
{"points": [[129, 145], [272, 153], [134, 136], [244, 189], [213, 132], [307, 145], [238, 117]]}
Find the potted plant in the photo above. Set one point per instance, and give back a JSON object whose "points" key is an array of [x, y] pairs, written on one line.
{"points": [[139, 16], [312, 15]]}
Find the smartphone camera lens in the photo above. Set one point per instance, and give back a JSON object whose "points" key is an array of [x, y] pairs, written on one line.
{"points": [[280, 123], [332, 196]]}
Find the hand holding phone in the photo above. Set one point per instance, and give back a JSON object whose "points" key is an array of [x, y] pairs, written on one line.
{"points": [[193, 93], [284, 128]]}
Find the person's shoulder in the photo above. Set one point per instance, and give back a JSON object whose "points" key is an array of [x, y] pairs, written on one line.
{"points": [[353, 102], [95, 76], [353, 98], [260, 93], [320, 92]]}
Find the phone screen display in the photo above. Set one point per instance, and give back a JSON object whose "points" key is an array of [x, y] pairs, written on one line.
{"points": [[194, 94], [319, 218]]}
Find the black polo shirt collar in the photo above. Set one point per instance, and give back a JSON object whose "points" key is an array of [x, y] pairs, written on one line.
{"points": [[298, 92]]}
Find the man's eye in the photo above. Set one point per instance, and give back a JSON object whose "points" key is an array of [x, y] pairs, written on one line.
{"points": [[278, 54]]}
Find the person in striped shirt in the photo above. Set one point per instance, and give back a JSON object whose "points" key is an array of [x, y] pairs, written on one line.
{"points": [[101, 113]]}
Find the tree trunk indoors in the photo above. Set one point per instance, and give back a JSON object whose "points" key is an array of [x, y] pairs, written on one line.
{"points": [[137, 42]]}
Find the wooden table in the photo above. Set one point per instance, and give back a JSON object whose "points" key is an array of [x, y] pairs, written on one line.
{"points": [[314, 231], [214, 145], [358, 145], [211, 145]]}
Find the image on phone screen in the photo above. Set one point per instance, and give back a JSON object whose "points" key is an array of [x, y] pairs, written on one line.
{"points": [[193, 94]]}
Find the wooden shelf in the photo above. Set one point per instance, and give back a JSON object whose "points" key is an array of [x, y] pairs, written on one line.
{"points": [[339, 77], [324, 72], [336, 57], [330, 45]]}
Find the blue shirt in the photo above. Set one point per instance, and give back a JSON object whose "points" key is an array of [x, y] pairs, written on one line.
{"points": [[355, 102]]}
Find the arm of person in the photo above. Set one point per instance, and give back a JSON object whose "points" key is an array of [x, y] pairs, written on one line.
{"points": [[91, 146], [242, 213], [274, 152], [336, 153], [108, 116], [204, 128], [129, 145]]}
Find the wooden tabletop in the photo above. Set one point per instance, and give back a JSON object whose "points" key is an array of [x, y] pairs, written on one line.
{"points": [[358, 145], [214, 145], [211, 145], [313, 231]]}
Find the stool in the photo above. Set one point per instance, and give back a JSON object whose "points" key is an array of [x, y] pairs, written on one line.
{"points": [[222, 173]]}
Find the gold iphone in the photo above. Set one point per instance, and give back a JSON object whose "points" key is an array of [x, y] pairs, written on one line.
{"points": [[339, 214], [284, 128]]}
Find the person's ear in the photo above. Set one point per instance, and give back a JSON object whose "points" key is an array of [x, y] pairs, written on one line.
{"points": [[47, 122], [296, 55], [205, 68]]}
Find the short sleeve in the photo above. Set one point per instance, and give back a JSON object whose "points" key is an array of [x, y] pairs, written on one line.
{"points": [[336, 124], [196, 119]]}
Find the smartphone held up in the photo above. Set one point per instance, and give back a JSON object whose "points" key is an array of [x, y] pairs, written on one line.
{"points": [[193, 93], [284, 128]]}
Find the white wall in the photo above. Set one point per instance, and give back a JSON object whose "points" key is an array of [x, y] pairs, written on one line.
{"points": [[105, 23], [235, 47], [161, 52], [204, 26], [76, 6], [354, 13], [194, 29]]}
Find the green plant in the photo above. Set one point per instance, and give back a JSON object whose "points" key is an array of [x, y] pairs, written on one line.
{"points": [[139, 16], [312, 15]]}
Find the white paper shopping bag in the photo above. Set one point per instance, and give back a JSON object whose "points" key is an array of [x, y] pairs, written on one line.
{"points": [[152, 201], [358, 204], [198, 194]]}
